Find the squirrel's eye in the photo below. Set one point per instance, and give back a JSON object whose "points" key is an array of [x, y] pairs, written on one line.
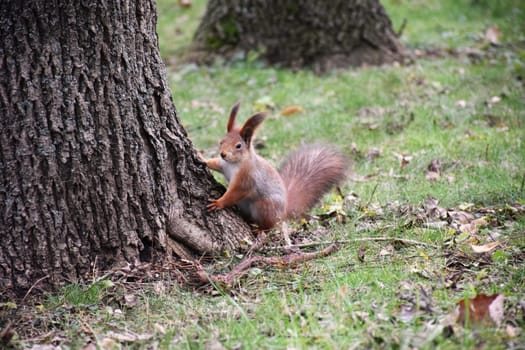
{"points": [[238, 146]]}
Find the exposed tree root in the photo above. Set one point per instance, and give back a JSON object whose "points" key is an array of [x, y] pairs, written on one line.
{"points": [[201, 277]]}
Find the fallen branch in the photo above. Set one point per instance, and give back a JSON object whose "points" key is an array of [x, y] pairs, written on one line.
{"points": [[33, 286], [361, 239], [228, 279]]}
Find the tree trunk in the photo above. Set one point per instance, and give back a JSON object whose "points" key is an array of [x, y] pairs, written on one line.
{"points": [[297, 33], [95, 167]]}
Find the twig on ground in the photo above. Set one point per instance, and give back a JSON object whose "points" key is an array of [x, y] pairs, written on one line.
{"points": [[260, 241], [33, 286], [242, 268], [7, 333], [88, 329], [361, 239]]}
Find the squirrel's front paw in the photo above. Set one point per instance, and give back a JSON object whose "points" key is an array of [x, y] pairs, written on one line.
{"points": [[201, 157], [214, 205]]}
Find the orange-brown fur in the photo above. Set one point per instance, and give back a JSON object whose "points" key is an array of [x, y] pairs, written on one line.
{"points": [[265, 196]]}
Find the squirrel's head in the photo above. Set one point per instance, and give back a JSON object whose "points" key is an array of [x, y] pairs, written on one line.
{"points": [[236, 145]]}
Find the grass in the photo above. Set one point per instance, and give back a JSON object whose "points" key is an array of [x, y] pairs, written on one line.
{"points": [[436, 108]]}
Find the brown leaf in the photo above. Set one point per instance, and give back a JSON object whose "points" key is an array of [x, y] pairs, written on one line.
{"points": [[432, 176], [493, 35], [291, 110], [185, 3], [480, 222], [433, 170], [434, 166], [388, 250], [373, 153], [407, 314], [479, 249], [108, 343], [460, 216], [461, 103], [482, 308], [468, 228], [433, 210], [494, 100], [92, 346], [130, 300], [354, 148], [214, 344], [512, 332], [403, 160], [362, 253], [128, 336]]}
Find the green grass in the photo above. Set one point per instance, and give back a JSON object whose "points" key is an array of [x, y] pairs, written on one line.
{"points": [[339, 301], [455, 23]]}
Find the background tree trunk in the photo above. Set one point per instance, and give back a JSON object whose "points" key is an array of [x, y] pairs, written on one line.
{"points": [[297, 33], [95, 166]]}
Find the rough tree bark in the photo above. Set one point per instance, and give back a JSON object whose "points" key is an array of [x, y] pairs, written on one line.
{"points": [[297, 33], [95, 167]]}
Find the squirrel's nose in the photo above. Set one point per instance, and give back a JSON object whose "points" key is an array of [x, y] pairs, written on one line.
{"points": [[223, 155]]}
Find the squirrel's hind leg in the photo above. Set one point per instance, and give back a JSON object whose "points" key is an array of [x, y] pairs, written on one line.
{"points": [[285, 230]]}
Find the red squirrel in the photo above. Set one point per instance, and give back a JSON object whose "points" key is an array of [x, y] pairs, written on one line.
{"points": [[264, 195]]}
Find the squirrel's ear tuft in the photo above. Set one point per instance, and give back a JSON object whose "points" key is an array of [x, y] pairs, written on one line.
{"points": [[233, 114], [249, 127]]}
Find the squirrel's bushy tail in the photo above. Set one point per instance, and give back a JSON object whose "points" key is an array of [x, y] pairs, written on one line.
{"points": [[308, 173]]}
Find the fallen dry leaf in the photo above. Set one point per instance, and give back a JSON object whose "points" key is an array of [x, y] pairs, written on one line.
{"points": [[480, 222], [460, 216], [479, 249], [433, 170], [160, 328], [373, 153], [92, 346], [495, 99], [494, 121], [362, 253], [214, 344], [388, 250], [287, 111], [432, 330], [128, 336], [468, 228], [403, 160], [433, 210], [407, 313], [432, 176], [130, 300], [493, 35], [461, 103], [354, 148], [159, 287], [512, 332], [108, 343], [482, 308], [434, 165], [263, 104]]}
